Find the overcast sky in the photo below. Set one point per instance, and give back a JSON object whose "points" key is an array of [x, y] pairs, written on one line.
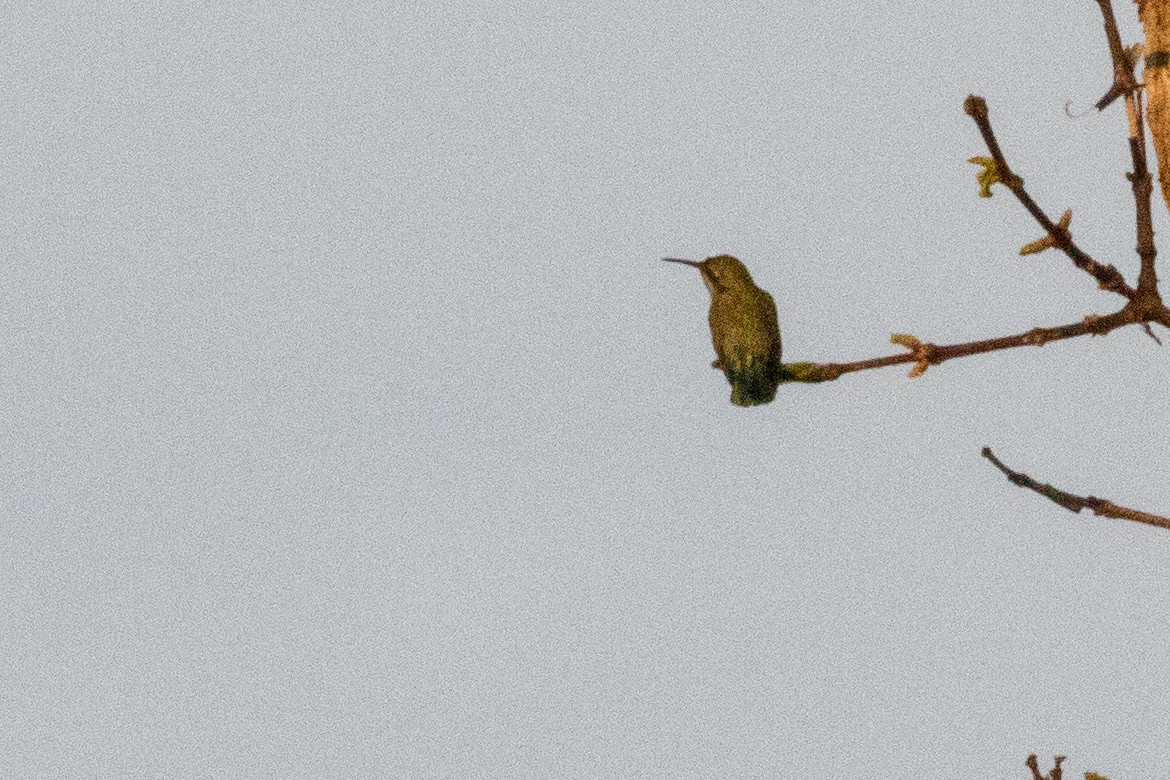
{"points": [[353, 427]]}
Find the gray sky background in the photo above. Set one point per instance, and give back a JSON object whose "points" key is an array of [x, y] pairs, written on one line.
{"points": [[352, 426]]}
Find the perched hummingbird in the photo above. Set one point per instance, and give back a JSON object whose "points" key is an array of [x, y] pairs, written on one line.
{"points": [[743, 329]]}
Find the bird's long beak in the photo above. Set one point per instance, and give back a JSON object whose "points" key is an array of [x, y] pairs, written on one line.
{"points": [[684, 262]]}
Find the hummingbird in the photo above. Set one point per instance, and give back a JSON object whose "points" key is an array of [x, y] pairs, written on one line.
{"points": [[744, 330]]}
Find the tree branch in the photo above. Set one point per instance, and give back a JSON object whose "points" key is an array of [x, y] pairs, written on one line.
{"points": [[923, 354], [1074, 503], [1108, 277], [1124, 84], [1054, 774]]}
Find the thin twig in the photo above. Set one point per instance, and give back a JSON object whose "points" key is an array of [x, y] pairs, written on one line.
{"points": [[1075, 503], [1108, 277]]}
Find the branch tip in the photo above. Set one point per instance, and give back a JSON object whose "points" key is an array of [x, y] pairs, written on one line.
{"points": [[975, 107]]}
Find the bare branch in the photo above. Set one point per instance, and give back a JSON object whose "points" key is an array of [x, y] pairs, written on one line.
{"points": [[1124, 84], [1054, 774], [1074, 503], [1108, 277], [924, 354]]}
